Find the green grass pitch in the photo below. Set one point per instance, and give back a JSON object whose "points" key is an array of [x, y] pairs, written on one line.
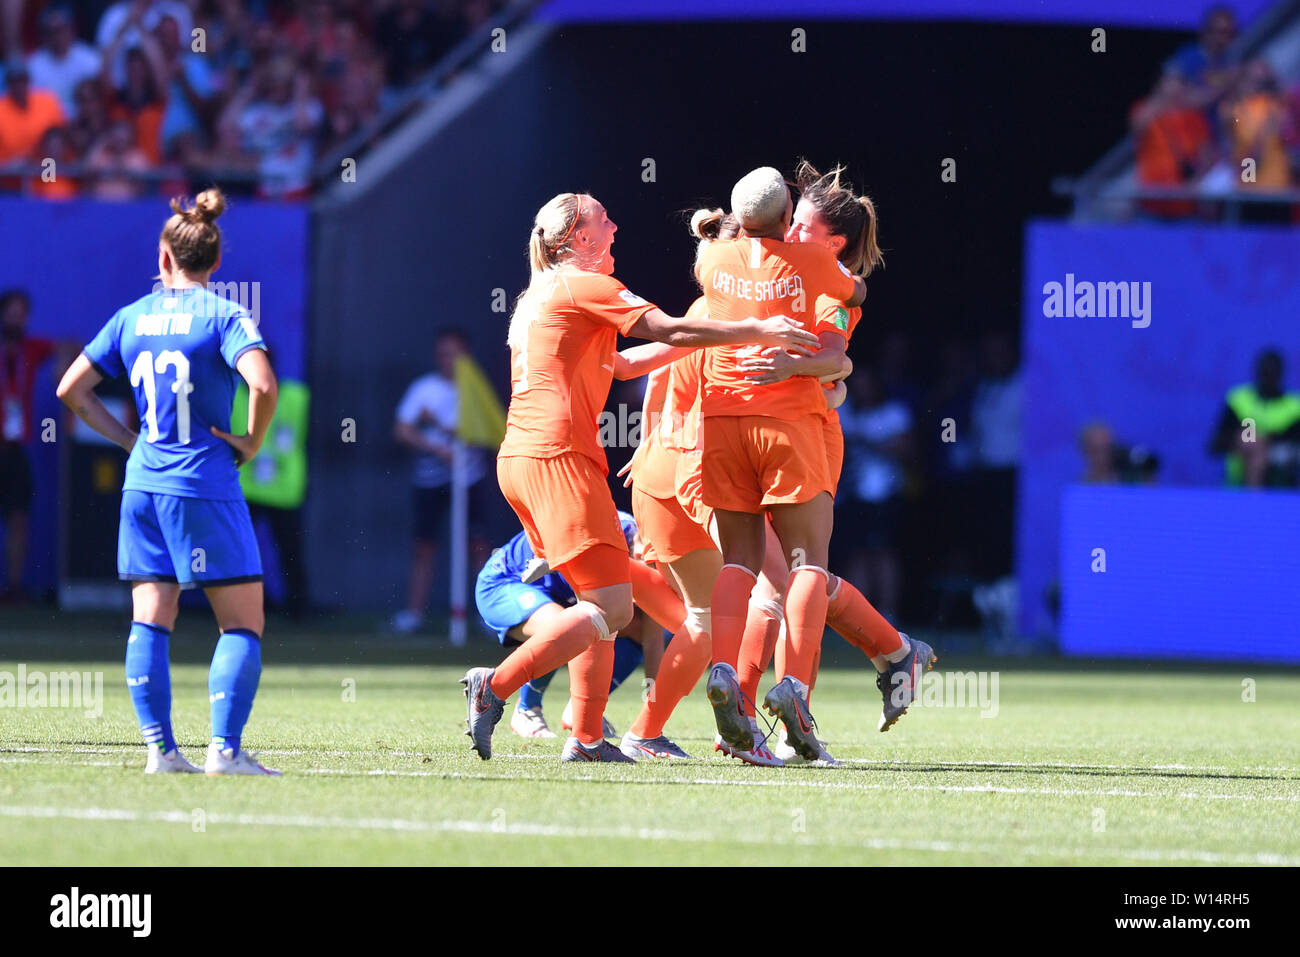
{"points": [[1083, 764]]}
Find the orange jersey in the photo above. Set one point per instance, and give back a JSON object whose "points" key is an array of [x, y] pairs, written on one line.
{"points": [[688, 379], [764, 278], [834, 316], [682, 409], [560, 376], [672, 428]]}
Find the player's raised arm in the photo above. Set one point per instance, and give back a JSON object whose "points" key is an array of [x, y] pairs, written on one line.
{"points": [[77, 392]]}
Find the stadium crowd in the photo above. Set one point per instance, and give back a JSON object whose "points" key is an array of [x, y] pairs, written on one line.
{"points": [[155, 95], [1210, 112]]}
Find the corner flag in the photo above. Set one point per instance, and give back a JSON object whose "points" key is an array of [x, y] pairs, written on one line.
{"points": [[482, 420]]}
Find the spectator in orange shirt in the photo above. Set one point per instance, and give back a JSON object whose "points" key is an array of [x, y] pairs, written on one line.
{"points": [[1254, 119], [1174, 144], [25, 114]]}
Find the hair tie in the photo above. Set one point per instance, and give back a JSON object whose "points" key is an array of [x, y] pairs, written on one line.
{"points": [[573, 224]]}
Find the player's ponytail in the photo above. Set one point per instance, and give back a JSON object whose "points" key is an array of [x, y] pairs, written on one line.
{"points": [[865, 252], [548, 242], [708, 225], [553, 227], [192, 232], [846, 214]]}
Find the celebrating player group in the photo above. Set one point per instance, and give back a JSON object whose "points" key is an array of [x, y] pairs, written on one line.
{"points": [[732, 488], [733, 484]]}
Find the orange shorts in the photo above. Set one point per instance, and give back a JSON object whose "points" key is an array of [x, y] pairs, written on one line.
{"points": [[833, 435], [600, 566], [690, 490], [666, 528], [566, 510], [753, 461]]}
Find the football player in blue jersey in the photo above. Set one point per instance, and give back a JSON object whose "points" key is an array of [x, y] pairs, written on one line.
{"points": [[184, 522], [516, 594]]}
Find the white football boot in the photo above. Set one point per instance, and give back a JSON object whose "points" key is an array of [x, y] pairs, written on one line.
{"points": [[530, 723], [759, 755], [173, 762], [234, 762], [786, 752]]}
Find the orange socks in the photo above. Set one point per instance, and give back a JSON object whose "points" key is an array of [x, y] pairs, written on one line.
{"points": [[757, 647], [571, 632], [730, 609], [817, 667], [685, 659], [589, 675], [805, 620], [853, 617], [654, 596]]}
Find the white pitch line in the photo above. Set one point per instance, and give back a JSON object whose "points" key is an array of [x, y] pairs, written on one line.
{"points": [[78, 764], [788, 782], [1065, 766], [407, 825]]}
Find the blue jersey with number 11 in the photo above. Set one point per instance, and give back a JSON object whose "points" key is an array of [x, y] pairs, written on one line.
{"points": [[179, 348]]}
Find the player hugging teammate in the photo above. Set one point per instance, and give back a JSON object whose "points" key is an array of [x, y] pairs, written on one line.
{"points": [[552, 468], [733, 484]]}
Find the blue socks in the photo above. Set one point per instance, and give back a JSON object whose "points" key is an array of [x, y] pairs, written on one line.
{"points": [[530, 695], [627, 657], [232, 683], [149, 679]]}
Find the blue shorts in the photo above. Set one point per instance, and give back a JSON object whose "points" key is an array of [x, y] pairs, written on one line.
{"points": [[506, 602], [192, 541]]}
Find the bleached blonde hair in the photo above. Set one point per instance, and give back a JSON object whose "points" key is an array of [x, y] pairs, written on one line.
{"points": [[758, 199]]}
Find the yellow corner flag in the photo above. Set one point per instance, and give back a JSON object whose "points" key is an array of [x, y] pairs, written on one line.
{"points": [[482, 418]]}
